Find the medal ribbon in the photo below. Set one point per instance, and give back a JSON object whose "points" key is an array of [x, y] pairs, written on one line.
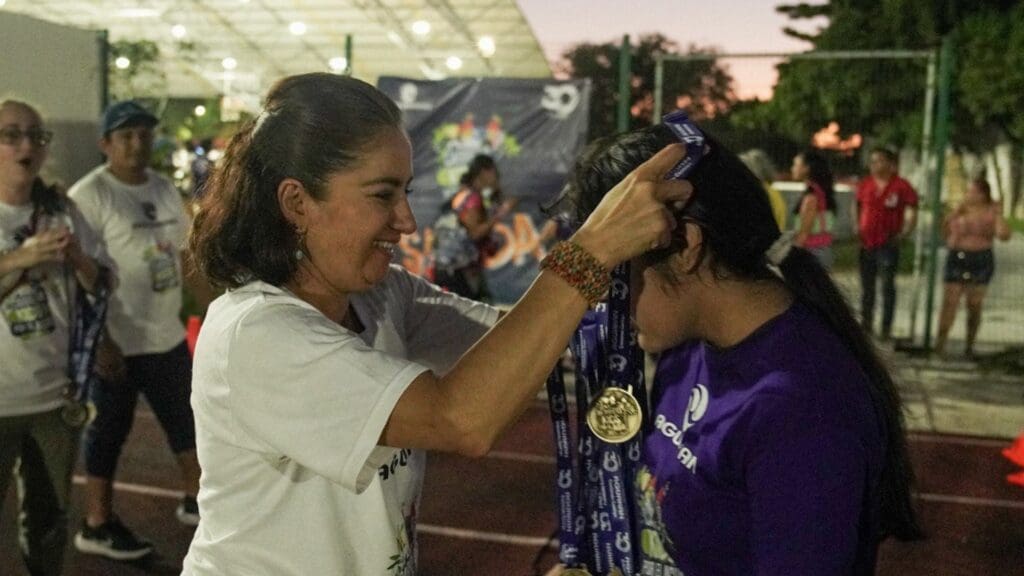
{"points": [[85, 335], [570, 483], [618, 461], [598, 509]]}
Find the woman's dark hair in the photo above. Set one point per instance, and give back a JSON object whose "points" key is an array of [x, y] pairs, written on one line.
{"points": [[312, 126], [983, 185], [730, 206], [820, 174], [478, 164]]}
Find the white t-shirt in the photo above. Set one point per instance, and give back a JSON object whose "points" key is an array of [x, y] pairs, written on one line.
{"points": [[143, 229], [289, 408], [37, 316]]}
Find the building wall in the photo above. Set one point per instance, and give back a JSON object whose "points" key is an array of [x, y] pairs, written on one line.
{"points": [[57, 70]]}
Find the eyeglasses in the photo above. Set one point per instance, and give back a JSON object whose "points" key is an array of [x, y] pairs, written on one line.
{"points": [[12, 136]]}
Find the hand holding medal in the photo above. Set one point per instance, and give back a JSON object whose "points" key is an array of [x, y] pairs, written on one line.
{"points": [[603, 484]]}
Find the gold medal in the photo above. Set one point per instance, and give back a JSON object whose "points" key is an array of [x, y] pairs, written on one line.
{"points": [[615, 415], [575, 572], [74, 414], [615, 572], [77, 414]]}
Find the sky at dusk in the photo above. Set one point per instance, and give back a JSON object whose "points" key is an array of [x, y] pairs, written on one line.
{"points": [[729, 25]]}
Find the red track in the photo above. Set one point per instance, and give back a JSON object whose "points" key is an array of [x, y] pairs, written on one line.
{"points": [[491, 516]]}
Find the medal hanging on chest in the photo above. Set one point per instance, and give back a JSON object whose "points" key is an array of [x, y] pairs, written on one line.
{"points": [[595, 496]]}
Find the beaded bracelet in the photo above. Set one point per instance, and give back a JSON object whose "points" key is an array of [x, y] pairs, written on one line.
{"points": [[579, 269]]}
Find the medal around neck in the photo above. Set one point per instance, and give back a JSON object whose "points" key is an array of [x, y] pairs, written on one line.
{"points": [[615, 415], [575, 572]]}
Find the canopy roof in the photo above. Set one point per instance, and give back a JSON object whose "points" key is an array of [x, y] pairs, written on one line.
{"points": [[200, 40]]}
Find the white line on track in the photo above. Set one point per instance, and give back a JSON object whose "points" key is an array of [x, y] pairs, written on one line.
{"points": [[530, 541], [536, 541], [970, 501], [957, 440]]}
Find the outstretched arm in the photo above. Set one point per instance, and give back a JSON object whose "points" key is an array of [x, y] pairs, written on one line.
{"points": [[467, 409]]}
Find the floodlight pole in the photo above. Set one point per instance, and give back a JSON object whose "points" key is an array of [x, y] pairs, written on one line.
{"points": [[348, 55], [941, 140], [625, 75], [926, 177], [659, 81]]}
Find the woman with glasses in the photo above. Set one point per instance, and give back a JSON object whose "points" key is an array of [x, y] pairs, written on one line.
{"points": [[45, 257]]}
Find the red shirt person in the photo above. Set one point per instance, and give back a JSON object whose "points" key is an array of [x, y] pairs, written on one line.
{"points": [[886, 213]]}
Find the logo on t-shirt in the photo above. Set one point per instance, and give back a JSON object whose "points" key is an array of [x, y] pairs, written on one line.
{"points": [[697, 407], [163, 266], [27, 311], [149, 211], [695, 410]]}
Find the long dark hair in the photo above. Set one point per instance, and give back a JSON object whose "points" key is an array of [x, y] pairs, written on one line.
{"points": [[821, 175], [478, 164], [736, 221], [312, 125]]}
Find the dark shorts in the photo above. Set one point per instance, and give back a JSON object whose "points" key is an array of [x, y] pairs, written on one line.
{"points": [[166, 381], [969, 267]]}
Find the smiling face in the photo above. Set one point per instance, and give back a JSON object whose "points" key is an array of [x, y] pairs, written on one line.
{"points": [[20, 158], [352, 234]]}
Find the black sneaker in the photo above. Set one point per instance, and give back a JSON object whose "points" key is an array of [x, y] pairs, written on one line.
{"points": [[111, 539], [188, 511]]}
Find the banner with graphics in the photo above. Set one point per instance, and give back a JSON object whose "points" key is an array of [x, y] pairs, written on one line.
{"points": [[534, 129]]}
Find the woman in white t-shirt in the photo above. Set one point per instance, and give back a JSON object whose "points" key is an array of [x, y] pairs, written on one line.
{"points": [[44, 260], [324, 372]]}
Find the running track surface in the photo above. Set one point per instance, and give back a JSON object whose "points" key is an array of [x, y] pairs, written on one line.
{"points": [[494, 515]]}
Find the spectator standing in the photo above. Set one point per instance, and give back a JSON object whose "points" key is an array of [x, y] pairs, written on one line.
{"points": [[817, 207], [886, 213], [971, 230], [47, 254], [141, 221], [461, 255]]}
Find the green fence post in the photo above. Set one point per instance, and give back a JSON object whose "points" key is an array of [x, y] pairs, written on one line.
{"points": [[348, 55], [941, 140], [625, 76]]}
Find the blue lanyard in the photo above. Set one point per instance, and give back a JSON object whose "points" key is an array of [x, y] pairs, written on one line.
{"points": [[89, 320], [595, 501], [618, 544]]}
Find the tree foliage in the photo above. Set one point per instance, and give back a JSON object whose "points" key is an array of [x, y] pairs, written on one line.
{"points": [[884, 98], [701, 86]]}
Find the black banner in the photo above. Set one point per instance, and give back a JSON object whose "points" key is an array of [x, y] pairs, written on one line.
{"points": [[533, 128]]}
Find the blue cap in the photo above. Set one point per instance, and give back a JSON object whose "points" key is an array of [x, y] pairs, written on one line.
{"points": [[126, 113]]}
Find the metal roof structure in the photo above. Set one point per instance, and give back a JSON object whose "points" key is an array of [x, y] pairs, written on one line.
{"points": [[239, 47]]}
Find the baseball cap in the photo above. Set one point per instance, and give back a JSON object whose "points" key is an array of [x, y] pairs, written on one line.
{"points": [[125, 113]]}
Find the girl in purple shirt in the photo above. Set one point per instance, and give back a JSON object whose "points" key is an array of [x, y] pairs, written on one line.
{"points": [[775, 442]]}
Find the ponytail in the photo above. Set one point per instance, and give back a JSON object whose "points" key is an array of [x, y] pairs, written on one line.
{"points": [[811, 285], [238, 232]]}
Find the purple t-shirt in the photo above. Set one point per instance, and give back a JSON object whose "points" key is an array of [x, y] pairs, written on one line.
{"points": [[763, 458]]}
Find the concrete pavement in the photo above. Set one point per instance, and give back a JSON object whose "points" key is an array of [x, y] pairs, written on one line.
{"points": [[957, 395]]}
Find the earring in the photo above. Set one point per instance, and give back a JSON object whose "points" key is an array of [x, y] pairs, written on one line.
{"points": [[300, 250]]}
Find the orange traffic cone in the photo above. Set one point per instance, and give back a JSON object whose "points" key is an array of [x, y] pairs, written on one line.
{"points": [[1015, 452], [192, 333], [1016, 478]]}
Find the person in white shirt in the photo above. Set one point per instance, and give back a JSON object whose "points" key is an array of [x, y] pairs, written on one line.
{"points": [[325, 372], [47, 254], [142, 223]]}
